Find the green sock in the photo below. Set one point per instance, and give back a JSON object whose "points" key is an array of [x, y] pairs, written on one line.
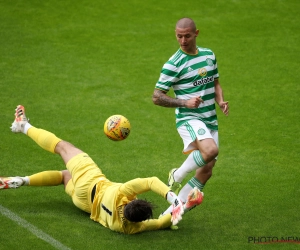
{"points": [[193, 182]]}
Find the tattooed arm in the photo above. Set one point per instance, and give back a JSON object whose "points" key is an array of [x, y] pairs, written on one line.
{"points": [[162, 99]]}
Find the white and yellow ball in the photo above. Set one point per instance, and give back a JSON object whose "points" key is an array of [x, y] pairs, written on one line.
{"points": [[117, 127]]}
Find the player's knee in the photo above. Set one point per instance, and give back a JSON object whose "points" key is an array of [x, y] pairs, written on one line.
{"points": [[63, 146], [210, 153], [208, 148], [66, 177], [214, 152]]}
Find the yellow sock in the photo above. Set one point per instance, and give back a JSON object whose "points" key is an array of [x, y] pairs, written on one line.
{"points": [[43, 138], [46, 178]]}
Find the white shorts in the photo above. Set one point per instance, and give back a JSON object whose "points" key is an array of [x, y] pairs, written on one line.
{"points": [[195, 129]]}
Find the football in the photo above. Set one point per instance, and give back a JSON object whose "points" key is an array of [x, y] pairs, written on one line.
{"points": [[117, 127]]}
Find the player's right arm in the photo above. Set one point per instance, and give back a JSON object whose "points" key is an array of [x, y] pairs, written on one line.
{"points": [[141, 185], [160, 98]]}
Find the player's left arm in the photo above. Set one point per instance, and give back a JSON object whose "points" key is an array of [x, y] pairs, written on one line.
{"points": [[141, 185], [224, 105], [150, 225]]}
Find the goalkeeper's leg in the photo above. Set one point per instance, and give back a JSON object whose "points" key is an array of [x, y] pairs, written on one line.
{"points": [[45, 178], [52, 143], [43, 138]]}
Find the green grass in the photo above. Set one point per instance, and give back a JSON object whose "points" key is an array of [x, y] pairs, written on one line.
{"points": [[73, 64]]}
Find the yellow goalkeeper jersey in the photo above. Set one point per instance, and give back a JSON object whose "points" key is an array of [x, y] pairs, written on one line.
{"points": [[110, 199]]}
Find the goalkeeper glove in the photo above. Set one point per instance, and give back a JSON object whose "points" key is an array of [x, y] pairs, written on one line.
{"points": [[177, 212], [177, 207]]}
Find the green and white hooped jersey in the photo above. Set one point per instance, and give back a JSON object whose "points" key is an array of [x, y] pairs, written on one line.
{"points": [[191, 76]]}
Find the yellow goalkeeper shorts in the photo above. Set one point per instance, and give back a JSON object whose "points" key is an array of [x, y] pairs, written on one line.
{"points": [[85, 174]]}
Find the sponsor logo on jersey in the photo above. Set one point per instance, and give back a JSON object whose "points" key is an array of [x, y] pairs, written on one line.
{"points": [[203, 81], [202, 72], [209, 62]]}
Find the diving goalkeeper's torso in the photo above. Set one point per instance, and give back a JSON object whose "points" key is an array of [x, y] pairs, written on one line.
{"points": [[110, 199]]}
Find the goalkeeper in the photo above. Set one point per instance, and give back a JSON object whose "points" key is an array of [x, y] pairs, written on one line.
{"points": [[114, 205]]}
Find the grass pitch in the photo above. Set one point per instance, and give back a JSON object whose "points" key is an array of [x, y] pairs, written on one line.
{"points": [[73, 64]]}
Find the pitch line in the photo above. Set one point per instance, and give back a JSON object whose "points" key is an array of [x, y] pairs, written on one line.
{"points": [[34, 230]]}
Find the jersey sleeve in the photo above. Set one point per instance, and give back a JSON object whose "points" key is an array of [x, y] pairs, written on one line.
{"points": [[215, 72], [168, 76], [141, 185]]}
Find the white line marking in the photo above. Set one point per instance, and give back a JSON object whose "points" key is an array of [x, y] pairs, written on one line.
{"points": [[34, 230]]}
